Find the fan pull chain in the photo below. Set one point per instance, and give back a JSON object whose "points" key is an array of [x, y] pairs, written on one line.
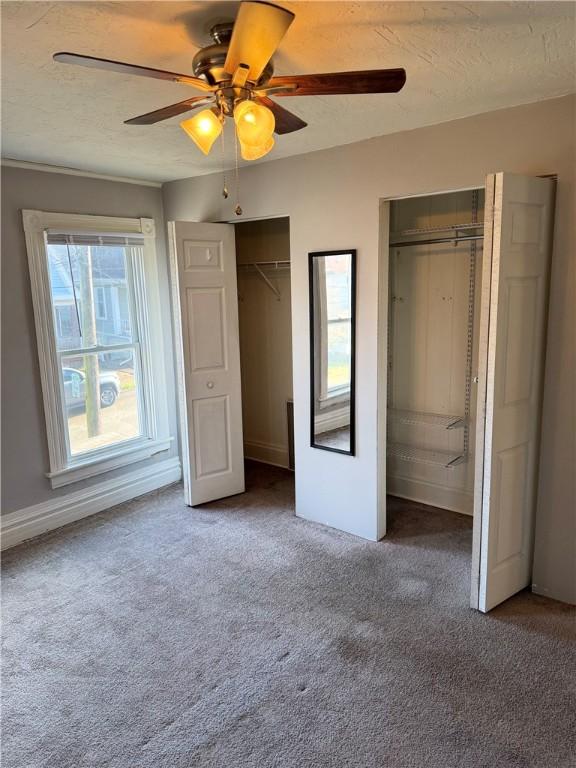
{"points": [[223, 157], [238, 209]]}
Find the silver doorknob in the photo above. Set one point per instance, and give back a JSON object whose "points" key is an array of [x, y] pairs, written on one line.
{"points": [[210, 384]]}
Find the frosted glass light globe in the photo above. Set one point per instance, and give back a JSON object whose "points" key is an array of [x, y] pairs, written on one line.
{"points": [[253, 153], [255, 123], [204, 128]]}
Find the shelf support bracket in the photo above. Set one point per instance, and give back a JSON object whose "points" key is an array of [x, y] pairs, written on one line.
{"points": [[268, 282], [455, 462], [457, 424]]}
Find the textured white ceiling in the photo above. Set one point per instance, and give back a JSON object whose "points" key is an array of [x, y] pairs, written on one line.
{"points": [[461, 59]]}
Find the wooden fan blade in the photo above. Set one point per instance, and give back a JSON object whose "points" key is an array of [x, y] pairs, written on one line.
{"points": [[258, 31], [334, 83], [286, 122], [130, 69], [171, 111]]}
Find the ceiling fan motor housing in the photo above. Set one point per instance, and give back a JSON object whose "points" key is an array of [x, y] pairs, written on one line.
{"points": [[208, 63]]}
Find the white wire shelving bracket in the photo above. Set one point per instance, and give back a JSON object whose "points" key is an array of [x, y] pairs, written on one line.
{"points": [[259, 266]]}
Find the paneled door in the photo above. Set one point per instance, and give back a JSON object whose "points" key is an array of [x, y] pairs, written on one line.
{"points": [[517, 254], [203, 267]]}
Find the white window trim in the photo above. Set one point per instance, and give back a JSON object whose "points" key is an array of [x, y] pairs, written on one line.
{"points": [[64, 471]]}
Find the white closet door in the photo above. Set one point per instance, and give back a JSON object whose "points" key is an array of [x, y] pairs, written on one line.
{"points": [[205, 295], [519, 213]]}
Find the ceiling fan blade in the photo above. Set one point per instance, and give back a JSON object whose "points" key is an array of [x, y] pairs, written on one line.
{"points": [[130, 69], [333, 83], [171, 111], [286, 122], [258, 31]]}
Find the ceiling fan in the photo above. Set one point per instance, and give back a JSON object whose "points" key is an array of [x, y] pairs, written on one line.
{"points": [[235, 75]]}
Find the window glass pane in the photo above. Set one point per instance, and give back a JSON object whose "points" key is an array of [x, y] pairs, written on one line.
{"points": [[90, 295], [339, 354], [338, 286], [339, 313], [101, 399]]}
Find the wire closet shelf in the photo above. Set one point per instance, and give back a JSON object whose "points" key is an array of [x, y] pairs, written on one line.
{"points": [[454, 235]]}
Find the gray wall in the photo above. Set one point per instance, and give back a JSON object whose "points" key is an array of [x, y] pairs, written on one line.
{"points": [[24, 445], [332, 198]]}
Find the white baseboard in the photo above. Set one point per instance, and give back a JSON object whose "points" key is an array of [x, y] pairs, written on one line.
{"points": [[32, 521], [429, 493], [268, 453]]}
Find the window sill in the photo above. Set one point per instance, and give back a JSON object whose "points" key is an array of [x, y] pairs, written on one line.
{"points": [[339, 398], [82, 471]]}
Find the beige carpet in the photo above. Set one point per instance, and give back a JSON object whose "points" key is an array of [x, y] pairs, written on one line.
{"points": [[154, 635]]}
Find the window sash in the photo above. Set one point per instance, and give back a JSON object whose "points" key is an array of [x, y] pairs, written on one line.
{"points": [[96, 453], [337, 388], [132, 254]]}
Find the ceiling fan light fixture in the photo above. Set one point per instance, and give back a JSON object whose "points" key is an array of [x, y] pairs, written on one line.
{"points": [[204, 128], [254, 153], [255, 123]]}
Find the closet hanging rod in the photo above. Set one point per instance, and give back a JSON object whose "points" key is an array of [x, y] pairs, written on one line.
{"points": [[434, 241], [256, 264], [432, 230]]}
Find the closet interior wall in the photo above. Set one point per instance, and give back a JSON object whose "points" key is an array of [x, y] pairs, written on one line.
{"points": [[432, 347], [264, 301]]}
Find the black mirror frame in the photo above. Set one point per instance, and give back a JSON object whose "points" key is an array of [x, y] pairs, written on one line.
{"points": [[311, 256]]}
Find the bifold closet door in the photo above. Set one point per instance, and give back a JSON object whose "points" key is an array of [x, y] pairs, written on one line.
{"points": [[203, 267], [517, 252]]}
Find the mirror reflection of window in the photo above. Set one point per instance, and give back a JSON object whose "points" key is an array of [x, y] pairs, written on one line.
{"points": [[332, 278]]}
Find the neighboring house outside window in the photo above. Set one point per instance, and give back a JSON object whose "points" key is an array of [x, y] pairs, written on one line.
{"points": [[101, 312], [65, 319], [100, 342]]}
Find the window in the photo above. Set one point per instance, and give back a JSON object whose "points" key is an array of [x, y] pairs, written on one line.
{"points": [[100, 344]]}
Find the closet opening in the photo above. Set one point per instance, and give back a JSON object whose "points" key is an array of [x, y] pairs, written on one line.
{"points": [[265, 330], [435, 268]]}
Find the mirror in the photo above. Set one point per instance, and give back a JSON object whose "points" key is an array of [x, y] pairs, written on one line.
{"points": [[332, 276]]}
